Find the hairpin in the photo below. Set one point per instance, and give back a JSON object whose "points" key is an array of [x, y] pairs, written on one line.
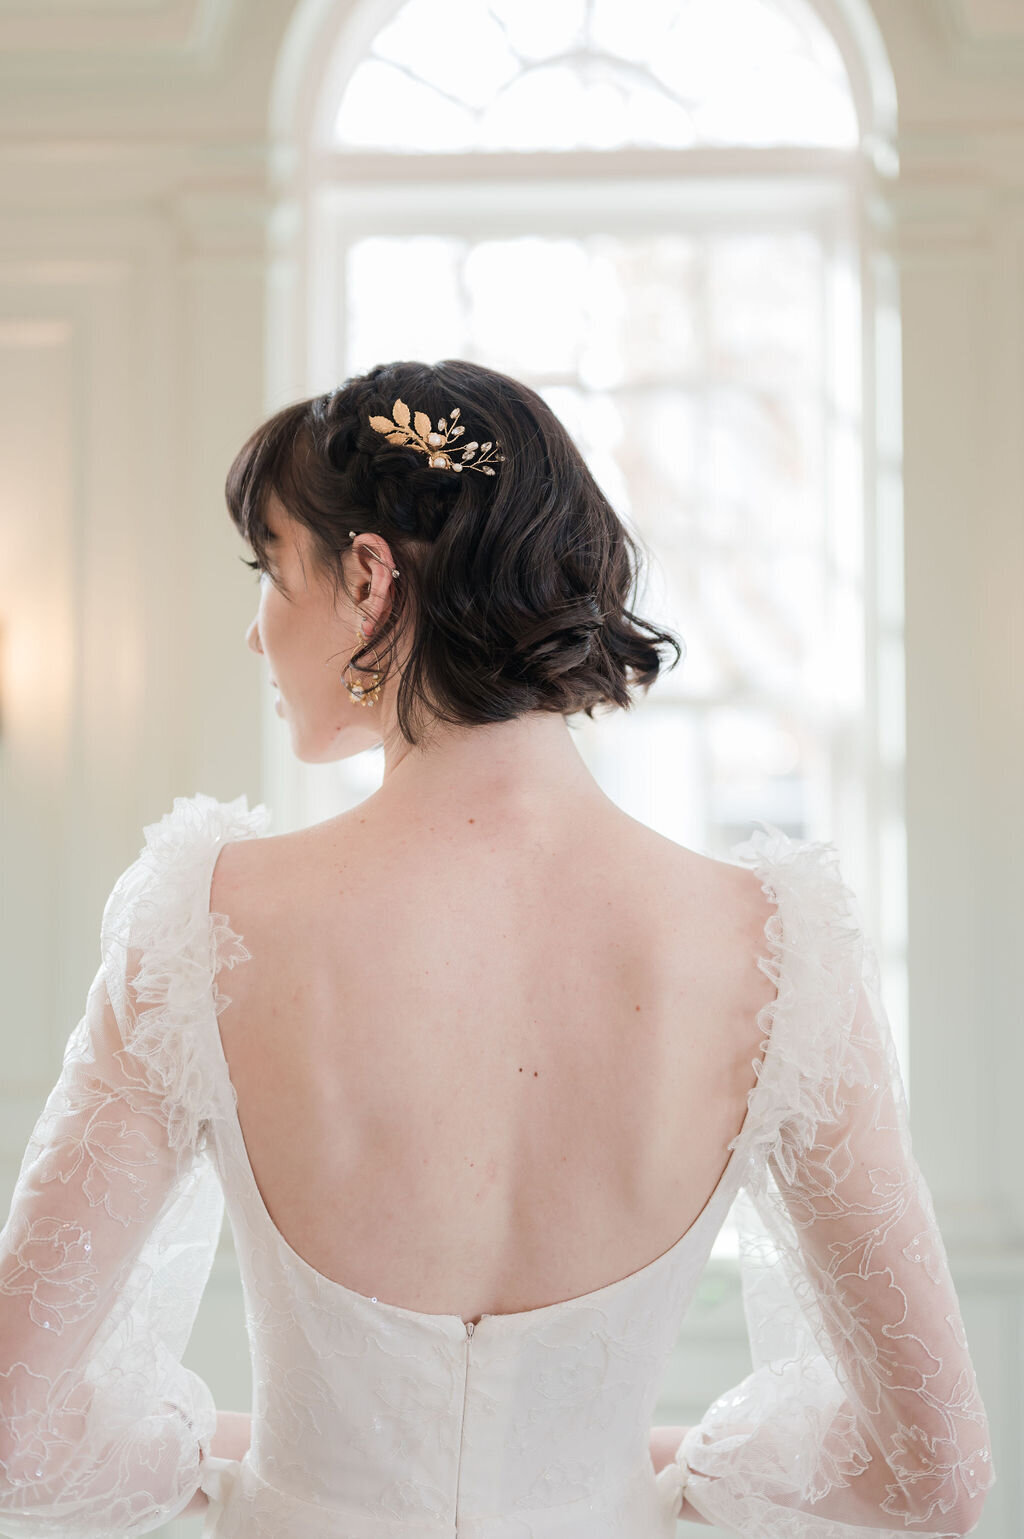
{"points": [[434, 442]]}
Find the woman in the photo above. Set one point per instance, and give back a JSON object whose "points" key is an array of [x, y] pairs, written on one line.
{"points": [[493, 1063]]}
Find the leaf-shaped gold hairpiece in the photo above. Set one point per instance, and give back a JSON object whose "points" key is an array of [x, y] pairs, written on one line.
{"points": [[436, 443]]}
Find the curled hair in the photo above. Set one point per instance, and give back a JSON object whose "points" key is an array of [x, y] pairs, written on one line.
{"points": [[517, 588]]}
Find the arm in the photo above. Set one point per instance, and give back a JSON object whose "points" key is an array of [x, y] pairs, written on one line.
{"points": [[114, 1221], [103, 1259], [664, 1442], [862, 1416], [230, 1441]]}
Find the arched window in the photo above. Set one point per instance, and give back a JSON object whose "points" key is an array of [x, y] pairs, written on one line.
{"points": [[529, 75], [659, 215]]}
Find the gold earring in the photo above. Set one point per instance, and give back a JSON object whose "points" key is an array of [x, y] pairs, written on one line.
{"points": [[367, 694]]}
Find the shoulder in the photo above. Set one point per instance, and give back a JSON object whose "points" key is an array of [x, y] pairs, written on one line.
{"points": [[805, 882], [774, 896], [159, 946], [174, 851], [256, 867], [780, 859], [729, 890], [270, 886], [203, 820], [241, 852], [277, 872], [712, 910], [166, 884]]}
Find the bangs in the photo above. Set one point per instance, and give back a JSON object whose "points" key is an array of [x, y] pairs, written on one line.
{"points": [[264, 464]]}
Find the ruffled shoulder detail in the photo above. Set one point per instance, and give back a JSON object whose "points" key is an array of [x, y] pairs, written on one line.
{"points": [[818, 958], [162, 950]]}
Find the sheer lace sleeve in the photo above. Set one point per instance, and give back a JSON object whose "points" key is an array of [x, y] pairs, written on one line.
{"points": [[862, 1415], [116, 1214]]}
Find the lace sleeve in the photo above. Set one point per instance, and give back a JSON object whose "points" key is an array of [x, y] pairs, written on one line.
{"points": [[862, 1415], [114, 1221]]}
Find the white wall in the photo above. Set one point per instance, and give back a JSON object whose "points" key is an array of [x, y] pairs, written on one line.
{"points": [[144, 209]]}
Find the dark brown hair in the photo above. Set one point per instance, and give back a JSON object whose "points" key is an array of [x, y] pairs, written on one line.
{"points": [[517, 586]]}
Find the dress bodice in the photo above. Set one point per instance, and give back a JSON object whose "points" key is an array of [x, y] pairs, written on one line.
{"points": [[388, 1416], [860, 1417], [384, 1416]]}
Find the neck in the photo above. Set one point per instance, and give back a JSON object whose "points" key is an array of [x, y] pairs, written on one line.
{"points": [[530, 766]]}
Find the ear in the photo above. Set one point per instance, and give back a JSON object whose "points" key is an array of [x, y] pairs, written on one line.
{"points": [[375, 581]]}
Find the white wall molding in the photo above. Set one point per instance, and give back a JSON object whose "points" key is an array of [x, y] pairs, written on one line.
{"points": [[983, 34], [989, 158], [67, 40], [75, 176]]}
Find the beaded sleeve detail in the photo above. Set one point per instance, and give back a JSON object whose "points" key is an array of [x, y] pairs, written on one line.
{"points": [[862, 1416], [117, 1211]]}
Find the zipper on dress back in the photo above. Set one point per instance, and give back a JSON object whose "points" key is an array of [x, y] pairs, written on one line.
{"points": [[470, 1328]]}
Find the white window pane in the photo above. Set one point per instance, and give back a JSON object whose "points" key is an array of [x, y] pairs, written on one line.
{"points": [[528, 302], [653, 325], [558, 75], [592, 104], [765, 465], [537, 29], [554, 108], [749, 751], [764, 307], [791, 104], [459, 48], [383, 108], [596, 423], [405, 300], [643, 30], [613, 311], [657, 119]]}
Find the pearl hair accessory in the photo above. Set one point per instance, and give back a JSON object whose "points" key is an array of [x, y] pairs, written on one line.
{"points": [[434, 442]]}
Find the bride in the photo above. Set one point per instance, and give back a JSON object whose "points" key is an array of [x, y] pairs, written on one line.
{"points": [[491, 1064], [533, 1017]]}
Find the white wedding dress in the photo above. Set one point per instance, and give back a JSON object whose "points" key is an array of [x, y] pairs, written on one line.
{"points": [[370, 1421]]}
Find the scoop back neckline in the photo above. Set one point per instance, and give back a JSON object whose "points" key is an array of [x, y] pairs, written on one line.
{"points": [[447, 1317]]}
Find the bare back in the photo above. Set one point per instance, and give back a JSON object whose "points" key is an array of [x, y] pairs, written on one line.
{"points": [[483, 1069]]}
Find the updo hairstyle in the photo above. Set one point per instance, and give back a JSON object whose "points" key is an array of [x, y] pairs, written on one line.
{"points": [[516, 587]]}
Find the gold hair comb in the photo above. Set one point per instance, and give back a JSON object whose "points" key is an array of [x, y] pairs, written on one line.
{"points": [[434, 442]]}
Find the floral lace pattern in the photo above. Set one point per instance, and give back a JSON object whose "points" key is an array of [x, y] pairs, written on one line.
{"points": [[115, 1217], [861, 1416]]}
